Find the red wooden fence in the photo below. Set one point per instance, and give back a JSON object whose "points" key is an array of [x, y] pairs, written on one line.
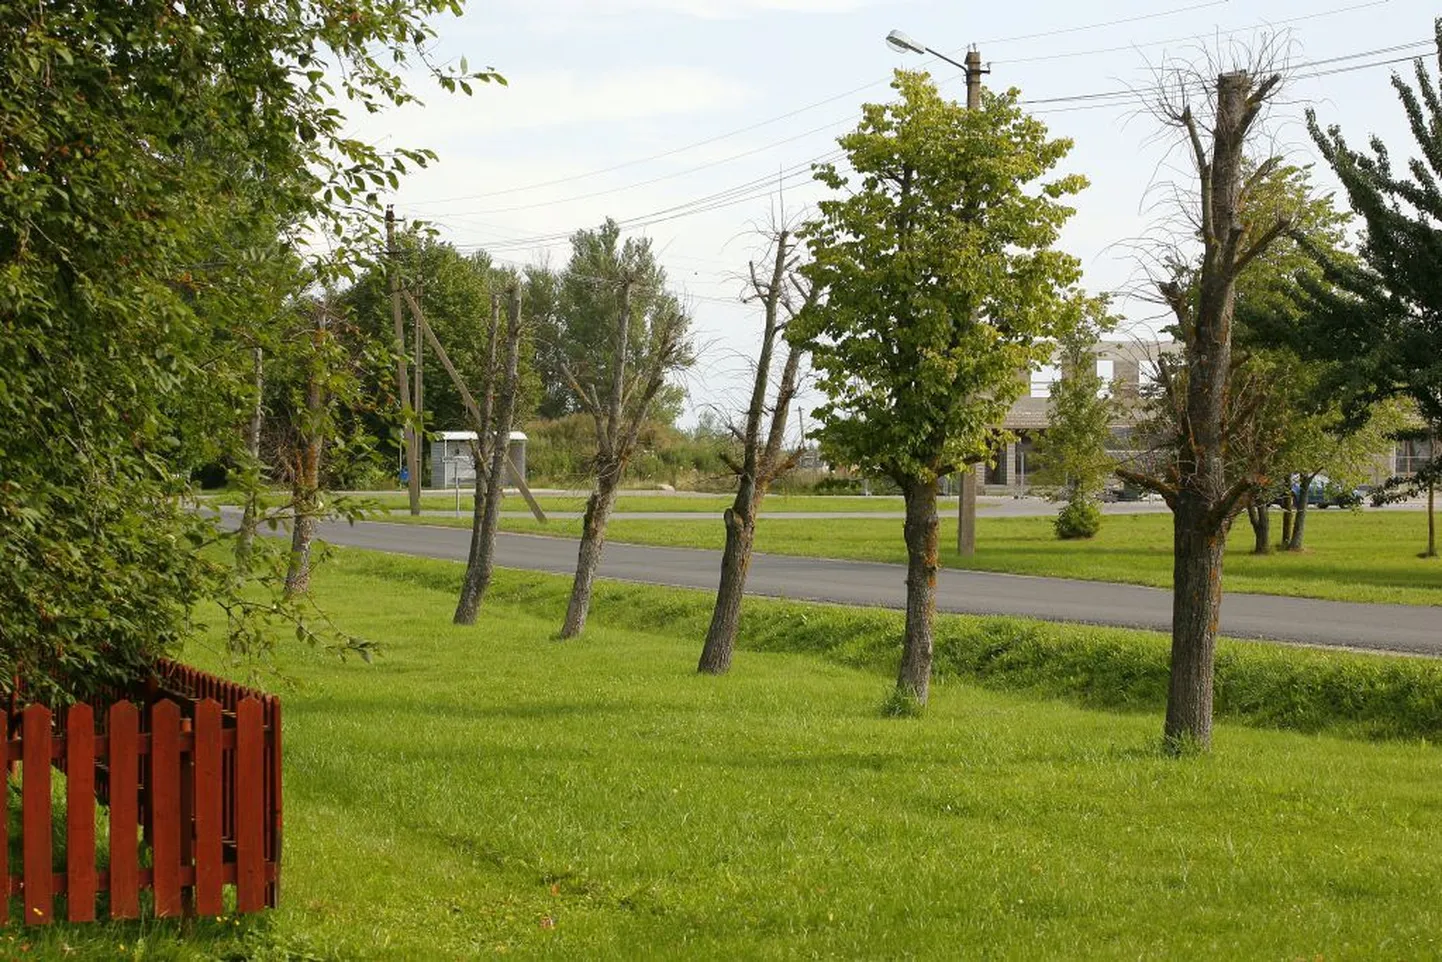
{"points": [[191, 774]]}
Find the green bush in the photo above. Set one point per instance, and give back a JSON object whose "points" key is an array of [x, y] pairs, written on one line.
{"points": [[1079, 519]]}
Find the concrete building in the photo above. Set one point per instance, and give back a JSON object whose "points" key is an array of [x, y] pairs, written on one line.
{"points": [[1126, 367], [451, 462]]}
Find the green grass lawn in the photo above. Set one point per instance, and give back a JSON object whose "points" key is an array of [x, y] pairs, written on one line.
{"points": [[490, 790], [1351, 556]]}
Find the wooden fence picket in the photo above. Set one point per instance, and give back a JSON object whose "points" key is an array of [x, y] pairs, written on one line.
{"points": [[5, 824], [209, 852], [124, 758], [35, 816], [249, 806], [80, 877], [165, 807]]}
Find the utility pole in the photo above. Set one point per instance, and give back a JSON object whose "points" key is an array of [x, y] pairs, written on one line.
{"points": [[403, 386], [969, 475], [418, 456]]}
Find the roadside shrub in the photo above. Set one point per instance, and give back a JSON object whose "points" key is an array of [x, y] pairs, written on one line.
{"points": [[1079, 519]]}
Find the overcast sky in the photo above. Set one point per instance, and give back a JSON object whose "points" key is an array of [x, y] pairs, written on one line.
{"points": [[639, 109]]}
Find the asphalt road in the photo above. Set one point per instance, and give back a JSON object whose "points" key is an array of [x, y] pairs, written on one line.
{"points": [[1396, 628]]}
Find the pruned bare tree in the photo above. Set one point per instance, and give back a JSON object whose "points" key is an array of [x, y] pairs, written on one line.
{"points": [[620, 336], [469, 602], [782, 295], [488, 503], [1204, 483], [307, 451]]}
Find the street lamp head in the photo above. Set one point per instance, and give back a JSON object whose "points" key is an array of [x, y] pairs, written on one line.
{"points": [[901, 43]]}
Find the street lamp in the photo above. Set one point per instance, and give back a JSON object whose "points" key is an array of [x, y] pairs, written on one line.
{"points": [[902, 43]]}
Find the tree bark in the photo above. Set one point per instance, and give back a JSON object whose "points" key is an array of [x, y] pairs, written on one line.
{"points": [[968, 481], [1289, 514], [588, 558], [921, 530], [305, 484], [496, 475], [1431, 516], [1196, 607], [735, 563], [1299, 522], [1260, 515], [250, 519], [469, 602]]}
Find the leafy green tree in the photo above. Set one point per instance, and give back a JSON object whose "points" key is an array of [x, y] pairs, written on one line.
{"points": [[1072, 451], [140, 146], [1382, 315], [940, 283]]}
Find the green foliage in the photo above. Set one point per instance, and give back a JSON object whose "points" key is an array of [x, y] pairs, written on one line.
{"points": [[157, 163], [1073, 449], [1078, 519], [575, 317], [939, 275], [454, 290], [562, 453], [1381, 315]]}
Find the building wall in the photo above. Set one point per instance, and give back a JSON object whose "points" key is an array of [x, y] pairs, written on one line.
{"points": [[1029, 416], [451, 463]]}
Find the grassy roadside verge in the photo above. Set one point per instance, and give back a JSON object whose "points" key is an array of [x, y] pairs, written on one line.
{"points": [[1115, 669], [489, 791], [1363, 557]]}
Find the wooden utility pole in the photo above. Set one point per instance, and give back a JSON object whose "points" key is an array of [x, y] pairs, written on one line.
{"points": [[403, 379], [419, 434], [969, 477]]}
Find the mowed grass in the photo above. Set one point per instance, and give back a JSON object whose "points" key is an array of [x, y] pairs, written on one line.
{"points": [[490, 790], [1368, 556]]}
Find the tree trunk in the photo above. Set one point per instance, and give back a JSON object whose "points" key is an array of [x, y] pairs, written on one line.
{"points": [[1260, 515], [496, 474], [593, 540], [1196, 608], [305, 499], [1431, 519], [250, 519], [305, 486], [1289, 514], [1299, 523], [469, 602], [921, 531], [735, 563]]}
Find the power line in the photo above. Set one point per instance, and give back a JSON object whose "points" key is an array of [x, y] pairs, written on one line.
{"points": [[867, 86], [800, 173], [1096, 99]]}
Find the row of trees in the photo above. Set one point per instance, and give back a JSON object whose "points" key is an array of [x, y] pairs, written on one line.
{"points": [[189, 325]]}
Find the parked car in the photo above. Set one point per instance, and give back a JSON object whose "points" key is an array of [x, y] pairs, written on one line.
{"points": [[1325, 493]]}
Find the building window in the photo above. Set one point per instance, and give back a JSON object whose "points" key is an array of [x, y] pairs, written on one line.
{"points": [[1413, 455], [1043, 378], [1107, 371]]}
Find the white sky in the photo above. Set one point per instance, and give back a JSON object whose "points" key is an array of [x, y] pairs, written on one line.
{"points": [[735, 93]]}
